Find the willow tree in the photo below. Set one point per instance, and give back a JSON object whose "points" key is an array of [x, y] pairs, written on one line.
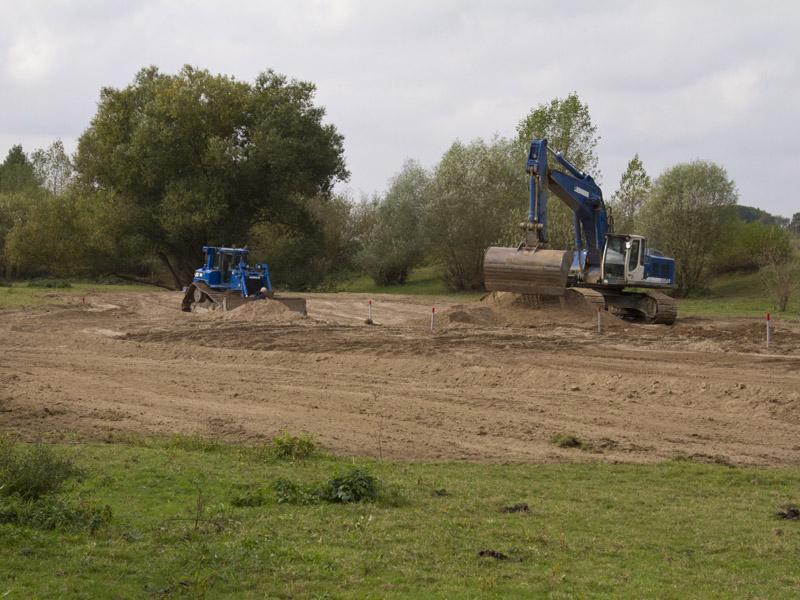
{"points": [[197, 159]]}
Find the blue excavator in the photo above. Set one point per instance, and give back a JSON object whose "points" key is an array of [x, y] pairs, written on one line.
{"points": [[226, 281], [616, 272]]}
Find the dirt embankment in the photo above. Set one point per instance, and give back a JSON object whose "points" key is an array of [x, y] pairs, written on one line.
{"points": [[494, 381]]}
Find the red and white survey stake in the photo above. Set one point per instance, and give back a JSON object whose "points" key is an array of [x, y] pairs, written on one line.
{"points": [[598, 319], [370, 310], [767, 330], [433, 311]]}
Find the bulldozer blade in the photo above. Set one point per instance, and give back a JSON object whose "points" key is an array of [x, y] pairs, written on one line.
{"points": [[526, 271], [297, 305]]}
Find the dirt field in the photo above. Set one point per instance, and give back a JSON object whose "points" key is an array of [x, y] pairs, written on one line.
{"points": [[494, 381]]}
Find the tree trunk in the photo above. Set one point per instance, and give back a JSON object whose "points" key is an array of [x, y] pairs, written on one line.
{"points": [[168, 265]]}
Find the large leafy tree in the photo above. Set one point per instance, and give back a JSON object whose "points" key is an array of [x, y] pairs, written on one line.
{"points": [[193, 158], [794, 225], [688, 215], [17, 173], [474, 201], [19, 191], [628, 200], [53, 168], [395, 244], [568, 127]]}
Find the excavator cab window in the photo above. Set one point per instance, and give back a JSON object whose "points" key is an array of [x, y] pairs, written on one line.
{"points": [[633, 261], [614, 263]]}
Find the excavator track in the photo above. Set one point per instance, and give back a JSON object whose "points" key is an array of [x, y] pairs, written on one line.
{"points": [[648, 307], [666, 308]]}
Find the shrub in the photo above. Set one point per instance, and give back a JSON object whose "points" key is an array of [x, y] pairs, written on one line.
{"points": [[354, 486], [36, 472]]}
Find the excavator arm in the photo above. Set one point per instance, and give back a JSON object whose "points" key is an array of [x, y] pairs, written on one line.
{"points": [[575, 189]]}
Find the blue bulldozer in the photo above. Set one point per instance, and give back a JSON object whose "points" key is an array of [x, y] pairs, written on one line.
{"points": [[226, 281], [616, 272]]}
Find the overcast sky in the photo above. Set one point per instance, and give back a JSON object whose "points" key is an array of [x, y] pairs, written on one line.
{"points": [[672, 81]]}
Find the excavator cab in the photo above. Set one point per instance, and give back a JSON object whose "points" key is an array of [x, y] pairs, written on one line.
{"points": [[627, 261]]}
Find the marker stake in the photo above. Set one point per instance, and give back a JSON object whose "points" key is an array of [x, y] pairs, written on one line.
{"points": [[767, 330], [433, 311], [598, 319], [370, 310]]}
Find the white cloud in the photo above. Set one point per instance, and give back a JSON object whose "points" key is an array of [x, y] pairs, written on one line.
{"points": [[31, 57]]}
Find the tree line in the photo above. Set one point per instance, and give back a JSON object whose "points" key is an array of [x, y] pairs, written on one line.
{"points": [[174, 162]]}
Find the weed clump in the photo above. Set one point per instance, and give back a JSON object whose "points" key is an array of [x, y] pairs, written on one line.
{"points": [[289, 492], [29, 481], [356, 485], [294, 447], [52, 513], [567, 440]]}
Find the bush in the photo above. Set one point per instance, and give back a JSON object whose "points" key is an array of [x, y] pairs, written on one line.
{"points": [[36, 472], [28, 480], [354, 486]]}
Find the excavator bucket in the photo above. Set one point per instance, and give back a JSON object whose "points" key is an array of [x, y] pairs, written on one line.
{"points": [[526, 271]]}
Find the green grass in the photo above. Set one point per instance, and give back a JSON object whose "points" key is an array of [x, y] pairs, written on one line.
{"points": [[674, 530], [743, 295], [20, 294], [424, 281]]}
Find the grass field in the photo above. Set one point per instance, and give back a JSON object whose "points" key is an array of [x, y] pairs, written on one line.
{"points": [[674, 530], [424, 281], [743, 295], [57, 291]]}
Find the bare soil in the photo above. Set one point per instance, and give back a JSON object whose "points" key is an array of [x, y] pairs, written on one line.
{"points": [[494, 381]]}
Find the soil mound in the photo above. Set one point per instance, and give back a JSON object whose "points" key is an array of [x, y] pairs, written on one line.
{"points": [[507, 309], [261, 311]]}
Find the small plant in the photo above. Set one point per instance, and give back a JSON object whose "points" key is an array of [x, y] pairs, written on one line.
{"points": [[354, 486], [257, 497], [567, 440], [294, 447]]}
